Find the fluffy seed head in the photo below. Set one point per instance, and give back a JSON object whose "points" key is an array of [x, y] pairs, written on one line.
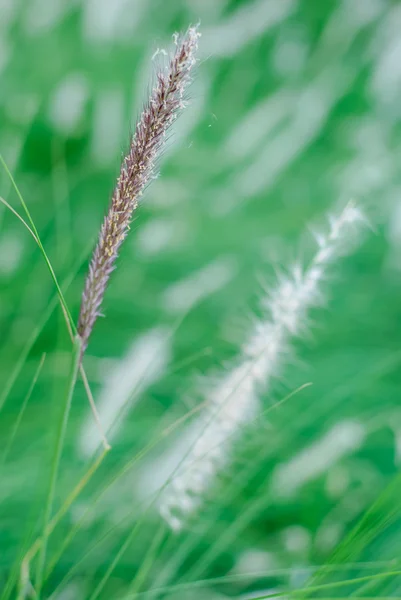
{"points": [[232, 404], [234, 401], [137, 169]]}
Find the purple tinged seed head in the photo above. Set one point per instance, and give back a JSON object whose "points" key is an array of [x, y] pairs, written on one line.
{"points": [[164, 105]]}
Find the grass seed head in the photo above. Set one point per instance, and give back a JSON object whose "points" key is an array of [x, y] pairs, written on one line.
{"points": [[137, 170]]}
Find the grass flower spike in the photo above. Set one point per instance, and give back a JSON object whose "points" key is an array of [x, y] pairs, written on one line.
{"points": [[138, 167], [234, 402]]}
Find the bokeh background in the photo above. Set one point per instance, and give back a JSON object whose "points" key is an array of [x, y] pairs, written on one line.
{"points": [[295, 109]]}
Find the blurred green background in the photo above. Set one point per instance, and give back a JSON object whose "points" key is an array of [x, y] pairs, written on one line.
{"points": [[295, 108]]}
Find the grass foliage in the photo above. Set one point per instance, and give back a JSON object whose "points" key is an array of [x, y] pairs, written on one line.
{"points": [[294, 110]]}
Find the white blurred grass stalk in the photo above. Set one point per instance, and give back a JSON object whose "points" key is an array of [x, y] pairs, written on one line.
{"points": [[143, 364], [234, 401]]}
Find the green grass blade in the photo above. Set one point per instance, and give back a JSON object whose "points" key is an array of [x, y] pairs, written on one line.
{"points": [[336, 584], [22, 410], [34, 549], [35, 334], [62, 428], [10, 208], [115, 476], [25, 352], [38, 240], [148, 560], [115, 561]]}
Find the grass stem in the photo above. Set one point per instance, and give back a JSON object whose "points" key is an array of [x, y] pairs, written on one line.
{"points": [[62, 428]]}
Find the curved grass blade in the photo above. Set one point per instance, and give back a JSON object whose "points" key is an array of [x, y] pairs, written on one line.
{"points": [[359, 382], [19, 217], [36, 235], [33, 550], [68, 319], [112, 480], [242, 577], [131, 536], [177, 558]]}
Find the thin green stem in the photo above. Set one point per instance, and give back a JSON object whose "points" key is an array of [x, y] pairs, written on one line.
{"points": [[70, 499], [76, 355]]}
